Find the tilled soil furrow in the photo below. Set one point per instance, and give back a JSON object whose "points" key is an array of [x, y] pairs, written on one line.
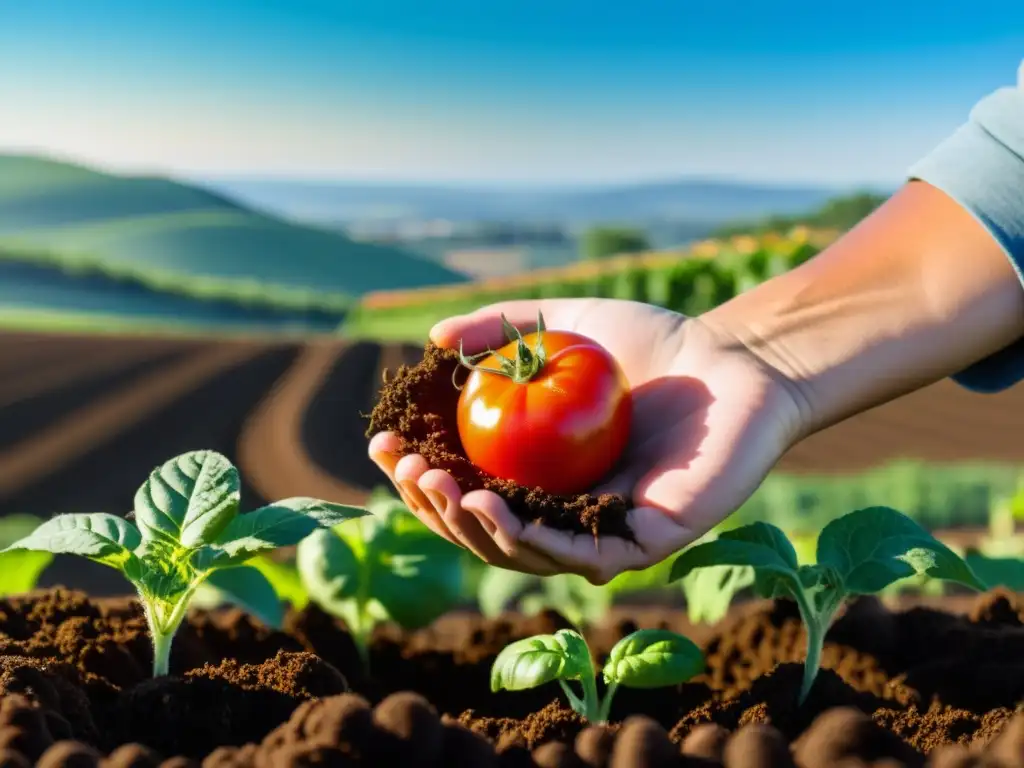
{"points": [[58, 398], [271, 452], [64, 440]]}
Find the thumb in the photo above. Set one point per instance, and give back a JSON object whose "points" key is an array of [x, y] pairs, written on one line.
{"points": [[483, 328]]}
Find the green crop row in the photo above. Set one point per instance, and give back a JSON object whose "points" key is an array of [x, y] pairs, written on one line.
{"points": [[692, 285]]}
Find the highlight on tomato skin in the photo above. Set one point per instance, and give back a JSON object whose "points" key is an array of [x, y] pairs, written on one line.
{"points": [[549, 410]]}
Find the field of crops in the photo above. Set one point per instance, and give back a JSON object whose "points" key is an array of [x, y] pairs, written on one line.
{"points": [[690, 281]]}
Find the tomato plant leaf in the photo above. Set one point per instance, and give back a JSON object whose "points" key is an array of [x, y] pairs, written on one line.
{"points": [[249, 589], [282, 524], [998, 571], [20, 569], [873, 547], [98, 536], [329, 569], [189, 499], [415, 577], [284, 578], [541, 659], [653, 658]]}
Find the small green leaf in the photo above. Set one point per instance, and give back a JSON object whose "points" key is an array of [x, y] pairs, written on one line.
{"points": [[249, 589], [283, 524], [653, 658], [189, 499], [538, 660], [162, 570], [329, 569], [500, 588], [20, 570], [871, 548], [98, 536]]}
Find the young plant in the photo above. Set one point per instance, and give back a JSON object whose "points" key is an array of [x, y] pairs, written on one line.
{"points": [[385, 567], [648, 658], [187, 528], [857, 554]]}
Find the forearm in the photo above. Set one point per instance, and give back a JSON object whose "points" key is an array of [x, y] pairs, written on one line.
{"points": [[917, 292]]}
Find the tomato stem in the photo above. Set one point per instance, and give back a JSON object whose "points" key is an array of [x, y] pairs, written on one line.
{"points": [[527, 363]]}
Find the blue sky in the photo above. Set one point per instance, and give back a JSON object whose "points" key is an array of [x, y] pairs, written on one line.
{"points": [[535, 91]]}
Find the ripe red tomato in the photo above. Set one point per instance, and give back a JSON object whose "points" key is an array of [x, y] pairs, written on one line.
{"points": [[556, 418]]}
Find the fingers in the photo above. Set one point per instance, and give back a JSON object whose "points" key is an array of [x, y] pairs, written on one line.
{"points": [[506, 530], [446, 497], [483, 329]]}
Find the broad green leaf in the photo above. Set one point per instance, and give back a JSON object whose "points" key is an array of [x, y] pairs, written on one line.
{"points": [[416, 576], [766, 535], [249, 589], [538, 660], [998, 571], [329, 569], [653, 658], [98, 536], [283, 524], [284, 578], [727, 551], [873, 547], [500, 588], [189, 499]]}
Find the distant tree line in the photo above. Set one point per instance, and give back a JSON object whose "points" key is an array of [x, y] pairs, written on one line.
{"points": [[840, 213]]}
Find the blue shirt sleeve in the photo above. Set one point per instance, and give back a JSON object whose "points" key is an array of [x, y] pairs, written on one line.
{"points": [[981, 166]]}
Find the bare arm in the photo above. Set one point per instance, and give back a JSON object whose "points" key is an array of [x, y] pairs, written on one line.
{"points": [[919, 291]]}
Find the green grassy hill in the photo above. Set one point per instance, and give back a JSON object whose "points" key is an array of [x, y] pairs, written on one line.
{"points": [[85, 217]]}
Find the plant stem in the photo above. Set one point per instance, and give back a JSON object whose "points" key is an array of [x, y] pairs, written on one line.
{"points": [[161, 653], [591, 699], [815, 644], [606, 706]]}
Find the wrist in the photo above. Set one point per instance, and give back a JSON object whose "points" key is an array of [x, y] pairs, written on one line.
{"points": [[917, 292]]}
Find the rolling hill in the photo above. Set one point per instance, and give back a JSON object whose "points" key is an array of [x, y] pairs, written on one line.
{"points": [[136, 224]]}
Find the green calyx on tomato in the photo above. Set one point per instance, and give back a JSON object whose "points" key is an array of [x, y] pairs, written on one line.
{"points": [[551, 409], [527, 362]]}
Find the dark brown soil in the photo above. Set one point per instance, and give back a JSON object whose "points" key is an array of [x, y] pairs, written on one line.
{"points": [[418, 404], [910, 688]]}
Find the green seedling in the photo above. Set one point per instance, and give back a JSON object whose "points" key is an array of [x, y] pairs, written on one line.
{"points": [[648, 658], [187, 528], [20, 569], [858, 554], [385, 567]]}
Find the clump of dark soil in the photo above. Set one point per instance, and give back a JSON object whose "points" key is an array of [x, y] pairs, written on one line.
{"points": [[910, 688], [418, 403]]}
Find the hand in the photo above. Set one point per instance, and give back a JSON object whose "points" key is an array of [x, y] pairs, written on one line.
{"points": [[709, 421]]}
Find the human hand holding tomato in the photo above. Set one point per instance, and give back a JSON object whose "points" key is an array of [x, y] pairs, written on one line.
{"points": [[708, 421]]}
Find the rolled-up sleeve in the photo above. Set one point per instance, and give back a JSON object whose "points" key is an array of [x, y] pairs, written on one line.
{"points": [[981, 166]]}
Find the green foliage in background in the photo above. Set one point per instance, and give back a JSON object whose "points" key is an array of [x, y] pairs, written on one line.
{"points": [[602, 242], [691, 285], [841, 213]]}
